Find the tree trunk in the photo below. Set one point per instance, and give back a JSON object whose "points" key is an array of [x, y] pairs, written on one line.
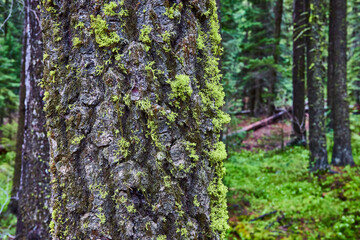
{"points": [[13, 205], [315, 75], [330, 73], [342, 152], [133, 99], [298, 72], [34, 190], [276, 53]]}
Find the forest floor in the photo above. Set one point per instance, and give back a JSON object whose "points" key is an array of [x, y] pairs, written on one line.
{"points": [[273, 196]]}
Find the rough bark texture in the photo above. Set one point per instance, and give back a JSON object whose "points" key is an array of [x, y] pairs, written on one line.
{"points": [[13, 205], [278, 9], [298, 72], [342, 152], [330, 71], [34, 190], [315, 76], [133, 99]]}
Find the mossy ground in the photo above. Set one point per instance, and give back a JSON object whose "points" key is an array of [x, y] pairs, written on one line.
{"points": [[273, 196], [7, 220]]}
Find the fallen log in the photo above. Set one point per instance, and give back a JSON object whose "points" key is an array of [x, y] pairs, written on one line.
{"points": [[257, 125]]}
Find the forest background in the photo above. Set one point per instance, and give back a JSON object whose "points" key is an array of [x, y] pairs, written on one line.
{"points": [[271, 195]]}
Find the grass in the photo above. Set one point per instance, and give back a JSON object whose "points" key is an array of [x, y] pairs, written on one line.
{"points": [[273, 196]]}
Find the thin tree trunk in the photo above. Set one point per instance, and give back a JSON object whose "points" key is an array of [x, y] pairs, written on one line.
{"points": [[13, 205], [342, 152], [330, 72], [276, 53], [34, 190], [133, 99], [298, 72], [315, 75]]}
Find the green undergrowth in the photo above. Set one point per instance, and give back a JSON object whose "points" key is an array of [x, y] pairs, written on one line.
{"points": [[8, 142], [7, 220], [273, 196]]}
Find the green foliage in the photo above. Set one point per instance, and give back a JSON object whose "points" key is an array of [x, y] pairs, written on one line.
{"points": [[10, 58], [8, 139], [307, 206], [247, 30], [353, 68], [7, 221]]}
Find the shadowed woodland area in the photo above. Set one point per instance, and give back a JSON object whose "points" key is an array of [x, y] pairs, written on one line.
{"points": [[162, 119]]}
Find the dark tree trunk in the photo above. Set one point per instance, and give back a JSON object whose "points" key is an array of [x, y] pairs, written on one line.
{"points": [[298, 72], [133, 99], [315, 76], [276, 53], [330, 71], [34, 190], [342, 152], [13, 205]]}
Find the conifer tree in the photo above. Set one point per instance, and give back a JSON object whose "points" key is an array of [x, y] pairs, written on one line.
{"points": [[133, 98]]}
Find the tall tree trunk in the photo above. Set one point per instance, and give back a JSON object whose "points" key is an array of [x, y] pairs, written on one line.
{"points": [[34, 190], [276, 53], [342, 152], [298, 72], [13, 205], [133, 99], [315, 75], [330, 72]]}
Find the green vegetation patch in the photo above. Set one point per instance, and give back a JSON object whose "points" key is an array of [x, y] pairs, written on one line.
{"points": [[272, 195]]}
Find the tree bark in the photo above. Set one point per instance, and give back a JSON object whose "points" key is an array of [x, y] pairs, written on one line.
{"points": [[330, 73], [13, 205], [34, 190], [298, 72], [133, 98], [276, 53], [315, 75], [342, 152]]}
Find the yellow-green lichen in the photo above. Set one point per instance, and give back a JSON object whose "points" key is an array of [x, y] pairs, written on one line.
{"points": [[131, 208], [109, 8], [99, 69], [221, 119], [196, 202], [180, 87], [101, 217], [166, 36], [127, 100], [190, 147], [76, 42], [171, 117], [173, 11], [103, 36], [79, 25], [124, 147], [145, 105], [217, 191], [52, 226], [161, 237], [144, 36], [76, 140]]}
